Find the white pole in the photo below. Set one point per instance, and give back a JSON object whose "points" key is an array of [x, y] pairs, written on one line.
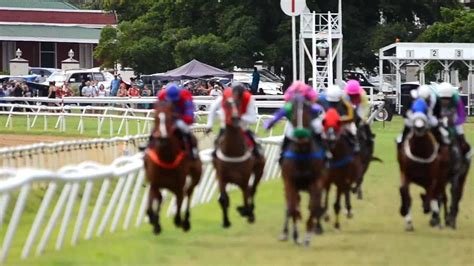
{"points": [[329, 60], [293, 39], [313, 53]]}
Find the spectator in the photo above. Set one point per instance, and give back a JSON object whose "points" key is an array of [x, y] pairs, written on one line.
{"points": [[261, 92], [2, 94], [88, 90], [114, 85], [66, 90], [216, 91], [26, 90], [133, 91], [122, 90], [18, 91], [102, 92], [83, 84], [255, 81], [145, 93]]}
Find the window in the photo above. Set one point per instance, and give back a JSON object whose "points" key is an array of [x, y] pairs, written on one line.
{"points": [[99, 77], [76, 78], [48, 54]]}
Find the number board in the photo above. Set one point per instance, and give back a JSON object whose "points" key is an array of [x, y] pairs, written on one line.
{"points": [[458, 53], [434, 53], [410, 53]]}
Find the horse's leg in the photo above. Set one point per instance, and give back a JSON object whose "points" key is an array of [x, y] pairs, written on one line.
{"points": [[154, 213], [326, 203], [337, 207], [314, 194], [189, 195], [284, 233], [349, 213], [432, 198], [406, 203], [319, 208], [295, 213], [179, 203], [224, 202]]}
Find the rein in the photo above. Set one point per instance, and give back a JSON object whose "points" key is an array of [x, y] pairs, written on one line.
{"points": [[156, 159], [411, 156], [304, 157]]}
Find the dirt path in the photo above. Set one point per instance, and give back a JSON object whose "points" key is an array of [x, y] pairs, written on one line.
{"points": [[18, 140]]}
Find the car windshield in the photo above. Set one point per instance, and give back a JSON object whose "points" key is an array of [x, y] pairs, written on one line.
{"points": [[57, 77]]}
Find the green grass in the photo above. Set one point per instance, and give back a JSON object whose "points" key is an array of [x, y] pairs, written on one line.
{"points": [[375, 236]]}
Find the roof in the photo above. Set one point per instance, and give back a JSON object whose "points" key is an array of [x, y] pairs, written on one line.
{"points": [[42, 33], [47, 4], [60, 16], [193, 69]]}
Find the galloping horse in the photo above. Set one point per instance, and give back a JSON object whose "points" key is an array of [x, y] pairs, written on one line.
{"points": [[235, 163], [302, 165], [344, 167], [168, 166], [422, 161]]}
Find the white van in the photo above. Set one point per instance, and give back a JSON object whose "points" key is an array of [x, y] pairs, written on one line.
{"points": [[75, 77]]}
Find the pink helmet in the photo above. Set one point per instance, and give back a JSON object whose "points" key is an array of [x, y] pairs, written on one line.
{"points": [[352, 87], [301, 88]]}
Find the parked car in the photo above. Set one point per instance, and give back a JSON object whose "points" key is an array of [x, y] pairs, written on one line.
{"points": [[366, 83], [268, 86], [75, 77], [46, 71]]}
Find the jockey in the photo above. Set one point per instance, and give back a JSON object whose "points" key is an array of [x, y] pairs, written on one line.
{"points": [[358, 98], [452, 108], [298, 88], [334, 99], [433, 114], [248, 112], [183, 108]]}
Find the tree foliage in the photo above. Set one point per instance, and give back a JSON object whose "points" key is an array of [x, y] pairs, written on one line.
{"points": [[157, 35]]}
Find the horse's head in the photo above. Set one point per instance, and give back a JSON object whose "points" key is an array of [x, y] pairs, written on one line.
{"points": [[163, 121], [300, 118], [230, 105], [420, 124], [332, 126]]}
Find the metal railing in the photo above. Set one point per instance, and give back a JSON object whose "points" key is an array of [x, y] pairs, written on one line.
{"points": [[89, 199]]}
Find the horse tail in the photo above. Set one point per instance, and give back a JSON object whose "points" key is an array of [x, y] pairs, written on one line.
{"points": [[376, 159]]}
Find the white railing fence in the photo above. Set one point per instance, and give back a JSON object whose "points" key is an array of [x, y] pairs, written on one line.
{"points": [[88, 200]]}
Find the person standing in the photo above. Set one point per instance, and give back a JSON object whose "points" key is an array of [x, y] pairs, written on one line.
{"points": [[114, 85], [255, 81]]}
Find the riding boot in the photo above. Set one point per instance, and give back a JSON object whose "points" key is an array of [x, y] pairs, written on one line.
{"points": [[354, 142], [286, 142], [465, 147], [256, 146], [216, 142], [441, 135], [189, 146], [401, 138], [319, 142]]}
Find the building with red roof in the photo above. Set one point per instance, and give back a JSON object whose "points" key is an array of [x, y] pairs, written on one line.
{"points": [[45, 30]]}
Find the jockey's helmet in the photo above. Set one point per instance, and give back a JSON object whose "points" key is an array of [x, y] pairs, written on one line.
{"points": [[172, 92], [445, 90], [353, 87], [419, 106], [424, 92], [333, 93], [238, 89]]}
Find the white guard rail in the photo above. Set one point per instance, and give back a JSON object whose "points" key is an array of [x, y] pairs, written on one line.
{"points": [[87, 200]]}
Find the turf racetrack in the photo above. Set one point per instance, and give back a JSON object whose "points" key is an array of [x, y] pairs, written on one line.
{"points": [[375, 236]]}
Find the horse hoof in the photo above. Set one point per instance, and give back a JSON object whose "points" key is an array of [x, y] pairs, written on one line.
{"points": [[177, 222], [318, 230], [450, 222], [326, 218], [157, 230], [359, 195], [434, 222], [337, 226], [307, 243], [251, 219], [242, 211], [186, 226], [409, 228], [349, 215], [226, 224], [283, 237]]}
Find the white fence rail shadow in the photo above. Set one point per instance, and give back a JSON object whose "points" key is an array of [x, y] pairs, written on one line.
{"points": [[88, 200]]}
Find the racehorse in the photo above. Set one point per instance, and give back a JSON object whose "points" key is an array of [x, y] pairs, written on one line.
{"points": [[344, 166], [366, 140], [235, 163], [422, 161], [458, 170], [302, 165], [168, 166]]}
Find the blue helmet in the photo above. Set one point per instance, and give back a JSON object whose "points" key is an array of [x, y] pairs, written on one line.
{"points": [[172, 92], [419, 106]]}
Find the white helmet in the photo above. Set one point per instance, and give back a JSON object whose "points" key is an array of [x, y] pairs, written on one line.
{"points": [[445, 90], [333, 93], [424, 92]]}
